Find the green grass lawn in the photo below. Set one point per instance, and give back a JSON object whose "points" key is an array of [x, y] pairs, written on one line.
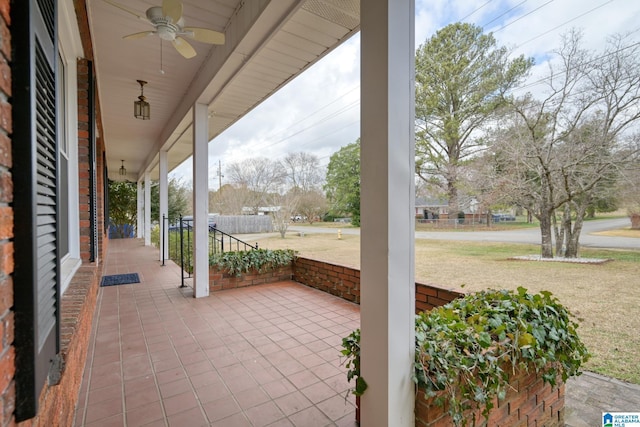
{"points": [[605, 298]]}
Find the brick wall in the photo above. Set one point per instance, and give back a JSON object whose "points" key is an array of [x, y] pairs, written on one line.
{"points": [[57, 403], [7, 352], [530, 402], [429, 296], [83, 160], [219, 280], [344, 282], [337, 280]]}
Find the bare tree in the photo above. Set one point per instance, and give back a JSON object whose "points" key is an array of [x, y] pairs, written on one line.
{"points": [[230, 200], [260, 177], [564, 147], [286, 206], [303, 171], [488, 184], [312, 205]]}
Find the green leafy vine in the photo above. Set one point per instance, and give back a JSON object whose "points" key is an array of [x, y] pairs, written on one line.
{"points": [[351, 351], [466, 350]]}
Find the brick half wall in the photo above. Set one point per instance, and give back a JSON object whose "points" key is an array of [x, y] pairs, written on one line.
{"points": [[220, 280], [528, 402], [344, 282]]}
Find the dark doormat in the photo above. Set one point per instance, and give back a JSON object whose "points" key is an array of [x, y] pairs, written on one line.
{"points": [[120, 279]]}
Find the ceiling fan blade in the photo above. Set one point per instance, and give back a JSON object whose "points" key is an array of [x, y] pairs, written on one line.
{"points": [[184, 48], [138, 35], [205, 35], [172, 9], [126, 9]]}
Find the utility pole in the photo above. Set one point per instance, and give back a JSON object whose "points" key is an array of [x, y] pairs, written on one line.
{"points": [[220, 176]]}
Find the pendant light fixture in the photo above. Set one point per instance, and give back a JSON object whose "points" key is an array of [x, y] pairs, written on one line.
{"points": [[141, 108], [122, 170]]}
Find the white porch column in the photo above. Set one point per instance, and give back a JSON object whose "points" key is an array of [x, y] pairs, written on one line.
{"points": [[163, 204], [200, 201], [147, 209], [387, 224], [139, 214]]}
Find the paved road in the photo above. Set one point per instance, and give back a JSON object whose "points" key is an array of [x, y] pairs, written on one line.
{"points": [[523, 235]]}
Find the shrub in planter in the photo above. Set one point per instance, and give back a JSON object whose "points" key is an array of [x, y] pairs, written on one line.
{"points": [[259, 260], [467, 349]]}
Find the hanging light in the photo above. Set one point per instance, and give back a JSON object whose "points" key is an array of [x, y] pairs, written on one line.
{"points": [[122, 170], [141, 108]]}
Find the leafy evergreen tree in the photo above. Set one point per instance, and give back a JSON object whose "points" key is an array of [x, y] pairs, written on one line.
{"points": [[343, 182], [462, 77]]}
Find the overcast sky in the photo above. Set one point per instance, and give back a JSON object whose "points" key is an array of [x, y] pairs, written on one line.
{"points": [[318, 112]]}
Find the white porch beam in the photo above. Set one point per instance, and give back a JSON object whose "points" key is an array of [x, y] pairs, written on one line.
{"points": [[387, 191], [163, 204], [147, 208], [200, 201], [140, 211]]}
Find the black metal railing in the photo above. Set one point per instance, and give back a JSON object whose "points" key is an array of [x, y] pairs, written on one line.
{"points": [[181, 246]]}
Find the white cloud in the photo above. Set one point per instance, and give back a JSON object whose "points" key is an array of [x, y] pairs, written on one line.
{"points": [[318, 112]]}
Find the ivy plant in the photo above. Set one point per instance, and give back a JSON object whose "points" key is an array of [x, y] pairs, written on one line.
{"points": [[260, 260], [467, 349], [351, 351]]}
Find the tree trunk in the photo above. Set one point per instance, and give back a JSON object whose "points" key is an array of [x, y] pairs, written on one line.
{"points": [[572, 235], [452, 192], [559, 232], [546, 245], [635, 221]]}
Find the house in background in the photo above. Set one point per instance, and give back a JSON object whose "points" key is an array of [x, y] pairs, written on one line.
{"points": [[67, 126], [432, 209]]}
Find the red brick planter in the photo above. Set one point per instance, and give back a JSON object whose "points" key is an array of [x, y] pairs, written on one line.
{"points": [[219, 280], [528, 402]]}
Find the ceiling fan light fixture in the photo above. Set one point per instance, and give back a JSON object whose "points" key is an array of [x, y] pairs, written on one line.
{"points": [[168, 24], [141, 108]]}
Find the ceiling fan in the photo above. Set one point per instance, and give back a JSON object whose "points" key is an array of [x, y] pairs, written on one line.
{"points": [[168, 24]]}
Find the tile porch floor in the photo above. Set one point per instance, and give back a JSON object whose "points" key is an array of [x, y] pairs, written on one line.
{"points": [[261, 356]]}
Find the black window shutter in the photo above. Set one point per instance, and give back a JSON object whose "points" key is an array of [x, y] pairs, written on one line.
{"points": [[36, 184]]}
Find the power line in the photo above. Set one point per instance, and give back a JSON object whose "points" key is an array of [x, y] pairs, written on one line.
{"points": [[565, 23], [598, 58], [323, 120], [472, 13], [523, 16], [344, 109], [338, 98], [502, 14]]}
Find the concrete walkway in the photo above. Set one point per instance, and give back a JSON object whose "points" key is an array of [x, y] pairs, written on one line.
{"points": [[589, 395]]}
